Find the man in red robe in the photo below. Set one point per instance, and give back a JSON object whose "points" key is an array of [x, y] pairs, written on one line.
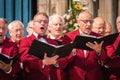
{"points": [[35, 68], [113, 62], [8, 71], [16, 31], [85, 64]]}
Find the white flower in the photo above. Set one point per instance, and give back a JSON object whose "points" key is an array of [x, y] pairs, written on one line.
{"points": [[85, 8], [75, 24]]}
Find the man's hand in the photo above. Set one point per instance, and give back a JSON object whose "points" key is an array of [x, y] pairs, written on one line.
{"points": [[5, 67], [95, 46], [50, 60]]}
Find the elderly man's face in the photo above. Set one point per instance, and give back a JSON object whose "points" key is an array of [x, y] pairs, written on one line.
{"points": [[56, 27], [40, 24], [17, 32], [3, 30], [85, 23], [99, 27], [118, 25]]}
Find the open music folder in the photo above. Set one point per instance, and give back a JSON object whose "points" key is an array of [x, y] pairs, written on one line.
{"points": [[82, 40], [5, 58], [39, 48]]}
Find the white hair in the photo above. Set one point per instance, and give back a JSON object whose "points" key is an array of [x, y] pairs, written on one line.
{"points": [[10, 26], [4, 20], [53, 17], [30, 23], [118, 19]]}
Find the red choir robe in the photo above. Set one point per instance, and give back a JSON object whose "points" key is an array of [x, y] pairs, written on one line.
{"points": [[81, 67], [10, 49], [33, 66], [114, 60], [58, 40], [60, 73], [19, 64]]}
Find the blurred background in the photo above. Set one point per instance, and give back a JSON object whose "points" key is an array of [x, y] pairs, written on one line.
{"points": [[24, 10]]}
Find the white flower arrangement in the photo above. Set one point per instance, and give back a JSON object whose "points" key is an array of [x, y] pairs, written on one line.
{"points": [[70, 18]]}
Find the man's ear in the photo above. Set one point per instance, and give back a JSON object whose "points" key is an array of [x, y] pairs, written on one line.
{"points": [[27, 29], [10, 32]]}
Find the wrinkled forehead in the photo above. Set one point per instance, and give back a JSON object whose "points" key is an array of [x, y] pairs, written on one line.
{"points": [[85, 16], [57, 20], [3, 24], [118, 20], [40, 17]]}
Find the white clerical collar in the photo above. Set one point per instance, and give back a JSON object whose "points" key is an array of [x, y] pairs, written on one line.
{"points": [[52, 37], [12, 40], [83, 34], [35, 34]]}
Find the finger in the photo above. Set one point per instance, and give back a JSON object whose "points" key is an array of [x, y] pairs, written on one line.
{"points": [[95, 42], [55, 57], [2, 62], [90, 44], [11, 62], [102, 43], [45, 56]]}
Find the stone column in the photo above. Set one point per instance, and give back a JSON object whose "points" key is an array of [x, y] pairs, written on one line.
{"points": [[90, 6], [53, 6], [62, 6], [105, 11], [43, 6], [118, 7]]}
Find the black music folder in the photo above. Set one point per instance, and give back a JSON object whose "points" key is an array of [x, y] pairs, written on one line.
{"points": [[82, 40], [38, 49], [5, 58]]}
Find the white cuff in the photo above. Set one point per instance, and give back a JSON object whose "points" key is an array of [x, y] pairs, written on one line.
{"points": [[56, 65], [21, 66], [9, 71], [43, 66]]}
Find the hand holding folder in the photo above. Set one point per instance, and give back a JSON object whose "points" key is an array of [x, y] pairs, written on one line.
{"points": [[82, 40], [50, 60], [39, 48], [5, 58]]}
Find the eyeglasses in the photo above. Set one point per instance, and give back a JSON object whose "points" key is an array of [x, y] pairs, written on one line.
{"points": [[100, 28], [17, 30], [86, 21], [44, 21], [60, 24], [3, 28]]}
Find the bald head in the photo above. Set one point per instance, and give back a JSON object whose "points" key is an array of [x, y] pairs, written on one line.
{"points": [[98, 25], [108, 29], [118, 23], [118, 19], [85, 21], [84, 15]]}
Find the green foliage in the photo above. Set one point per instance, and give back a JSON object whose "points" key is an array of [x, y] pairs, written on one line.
{"points": [[70, 17]]}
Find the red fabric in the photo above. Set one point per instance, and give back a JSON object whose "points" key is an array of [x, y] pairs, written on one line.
{"points": [[9, 48], [33, 65], [82, 68], [113, 61]]}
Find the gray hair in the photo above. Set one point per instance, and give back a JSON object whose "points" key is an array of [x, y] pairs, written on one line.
{"points": [[54, 16], [29, 23], [118, 19], [10, 26], [4, 20]]}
